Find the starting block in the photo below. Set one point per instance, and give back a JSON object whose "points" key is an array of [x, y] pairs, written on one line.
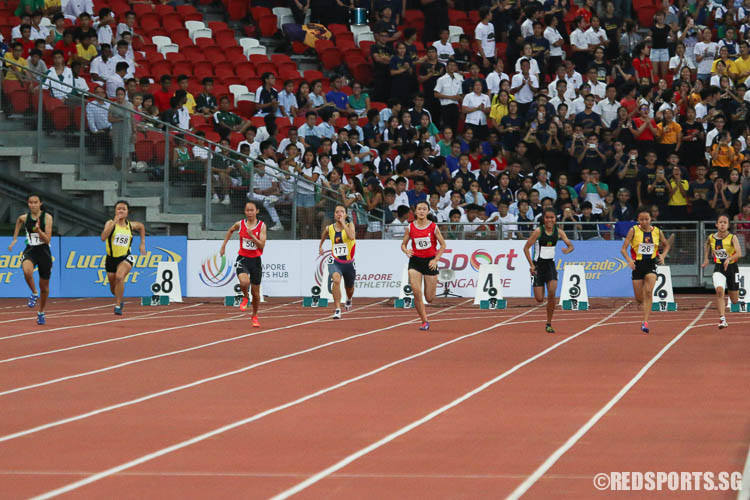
{"points": [[493, 303], [575, 305], [234, 300], [739, 307], [315, 300], [155, 299], [664, 306], [405, 303]]}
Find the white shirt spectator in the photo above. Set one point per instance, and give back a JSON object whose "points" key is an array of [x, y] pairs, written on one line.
{"points": [[533, 65], [570, 92], [112, 62], [556, 101], [75, 8], [447, 211], [525, 94], [122, 28], [449, 86], [545, 191], [595, 37], [709, 49], [201, 152], [401, 199], [485, 33], [104, 34], [397, 229], [97, 116], [508, 226], [305, 186], [579, 39], [286, 101], [607, 110], [80, 84], [553, 35], [493, 81], [576, 106], [40, 33], [444, 52], [113, 83], [527, 28], [477, 117], [675, 63], [183, 117], [715, 79], [574, 81], [15, 33], [254, 148], [286, 142], [59, 85], [101, 68]]}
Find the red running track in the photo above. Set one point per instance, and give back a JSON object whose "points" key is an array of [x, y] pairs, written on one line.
{"points": [[187, 401]]}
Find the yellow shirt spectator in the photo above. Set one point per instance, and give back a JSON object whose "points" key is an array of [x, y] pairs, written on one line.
{"points": [[742, 68], [11, 75], [669, 133], [86, 53], [722, 155], [190, 104], [677, 199], [731, 67]]}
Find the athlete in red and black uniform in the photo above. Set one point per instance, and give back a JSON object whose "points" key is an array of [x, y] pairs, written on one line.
{"points": [[248, 266], [424, 256]]}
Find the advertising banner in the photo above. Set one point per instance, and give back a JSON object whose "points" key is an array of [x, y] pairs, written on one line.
{"points": [[607, 272], [12, 282], [211, 275], [82, 265]]}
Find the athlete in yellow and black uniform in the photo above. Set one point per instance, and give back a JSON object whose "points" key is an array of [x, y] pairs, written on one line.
{"points": [[343, 243], [38, 226], [647, 245], [118, 238], [723, 248]]}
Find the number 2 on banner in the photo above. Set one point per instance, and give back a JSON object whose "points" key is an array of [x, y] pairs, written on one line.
{"points": [[663, 287]]}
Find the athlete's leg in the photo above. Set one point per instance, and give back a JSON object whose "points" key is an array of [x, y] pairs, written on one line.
{"points": [[122, 272], [112, 279], [638, 291], [349, 293], [255, 290], [734, 296], [244, 284], [720, 301], [551, 294], [539, 293], [647, 291], [44, 289], [415, 280], [336, 289], [28, 274], [430, 288]]}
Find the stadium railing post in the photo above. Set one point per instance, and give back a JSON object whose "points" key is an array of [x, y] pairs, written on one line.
{"points": [[82, 139], [294, 211], [39, 125], [207, 222], [167, 165]]}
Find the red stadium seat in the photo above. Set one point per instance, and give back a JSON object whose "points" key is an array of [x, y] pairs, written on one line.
{"points": [[234, 53], [19, 99], [237, 10], [192, 53], [175, 57], [164, 9], [258, 59], [363, 73], [313, 74], [144, 150], [172, 21], [202, 69], [245, 70], [267, 25], [225, 38], [161, 68], [278, 59], [183, 68], [224, 69], [61, 118], [214, 54], [198, 120], [246, 109], [187, 9], [330, 58], [267, 67], [149, 21]]}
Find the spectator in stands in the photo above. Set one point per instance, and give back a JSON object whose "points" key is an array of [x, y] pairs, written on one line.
{"points": [[123, 128], [226, 122], [164, 94], [85, 50], [266, 188], [15, 71], [523, 87], [579, 44], [206, 103], [358, 104], [100, 69], [381, 54], [123, 56], [463, 54], [84, 28], [443, 47], [485, 35], [103, 27], [26, 41], [100, 128], [476, 106], [182, 84], [448, 91], [59, 77]]}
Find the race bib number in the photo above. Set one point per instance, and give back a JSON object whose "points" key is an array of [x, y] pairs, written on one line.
{"points": [[34, 239], [121, 240], [340, 250], [248, 244], [646, 248], [546, 252], [721, 254], [422, 243]]}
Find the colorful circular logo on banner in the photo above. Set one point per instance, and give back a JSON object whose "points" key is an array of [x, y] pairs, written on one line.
{"points": [[320, 266], [216, 271], [480, 257]]}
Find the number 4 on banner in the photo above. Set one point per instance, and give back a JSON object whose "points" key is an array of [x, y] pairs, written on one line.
{"points": [[663, 295], [489, 293], [574, 294]]}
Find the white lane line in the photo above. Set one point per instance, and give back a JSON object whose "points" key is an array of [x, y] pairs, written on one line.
{"points": [[400, 432], [196, 383], [183, 444], [550, 461], [166, 354], [57, 314], [235, 317], [51, 302]]}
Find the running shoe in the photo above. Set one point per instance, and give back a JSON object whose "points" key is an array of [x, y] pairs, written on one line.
{"points": [[337, 314], [40, 319], [256, 323], [644, 327], [549, 328], [118, 310], [723, 324], [425, 326], [122, 306], [243, 304], [32, 300], [348, 305]]}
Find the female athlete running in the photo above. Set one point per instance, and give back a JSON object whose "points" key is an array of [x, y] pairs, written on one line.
{"points": [[647, 244], [543, 267], [249, 267], [724, 249], [38, 226], [424, 256], [341, 233], [118, 235]]}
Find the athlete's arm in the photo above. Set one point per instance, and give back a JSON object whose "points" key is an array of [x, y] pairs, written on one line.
{"points": [[527, 247], [707, 252], [231, 230], [624, 249], [567, 241], [404, 242], [350, 232], [259, 242], [142, 230], [45, 236], [439, 237], [19, 224], [323, 238], [108, 229], [663, 243], [737, 252]]}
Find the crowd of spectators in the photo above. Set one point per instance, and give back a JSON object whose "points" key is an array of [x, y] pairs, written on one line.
{"points": [[593, 117]]}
